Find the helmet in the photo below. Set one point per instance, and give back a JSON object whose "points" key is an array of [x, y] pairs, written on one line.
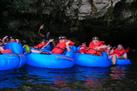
{"points": [[62, 37], [95, 38]]}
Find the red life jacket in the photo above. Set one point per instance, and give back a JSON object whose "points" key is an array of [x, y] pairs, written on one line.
{"points": [[119, 52], [40, 45], [92, 47], [60, 47], [6, 51], [83, 49], [71, 43]]}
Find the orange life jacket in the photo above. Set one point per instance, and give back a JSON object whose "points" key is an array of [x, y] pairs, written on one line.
{"points": [[40, 45], [92, 47], [60, 47]]}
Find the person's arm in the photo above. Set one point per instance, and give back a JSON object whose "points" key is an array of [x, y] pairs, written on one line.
{"points": [[41, 27], [111, 51], [4, 38], [1, 48], [101, 47], [35, 51], [17, 40], [54, 44], [39, 30], [67, 46], [51, 40]]}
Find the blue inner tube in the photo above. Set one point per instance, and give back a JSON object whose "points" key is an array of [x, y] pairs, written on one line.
{"points": [[15, 47], [49, 61], [11, 61], [123, 62], [92, 60]]}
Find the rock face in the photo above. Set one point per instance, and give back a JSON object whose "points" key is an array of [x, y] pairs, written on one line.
{"points": [[23, 17], [92, 8]]}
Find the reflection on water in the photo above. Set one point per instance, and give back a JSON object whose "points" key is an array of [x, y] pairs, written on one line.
{"points": [[92, 77], [11, 78], [118, 72], [50, 76], [76, 77]]}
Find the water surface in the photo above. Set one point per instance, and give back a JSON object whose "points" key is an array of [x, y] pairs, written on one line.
{"points": [[115, 78]]}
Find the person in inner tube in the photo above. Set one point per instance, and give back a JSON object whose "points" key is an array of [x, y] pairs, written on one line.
{"points": [[62, 45], [96, 47]]}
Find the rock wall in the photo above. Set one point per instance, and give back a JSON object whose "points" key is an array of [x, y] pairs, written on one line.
{"points": [[76, 17]]}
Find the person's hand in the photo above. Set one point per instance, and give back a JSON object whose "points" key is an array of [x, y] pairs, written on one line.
{"points": [[97, 48], [109, 47], [17, 40], [51, 40], [11, 37], [67, 43], [5, 36], [41, 27]]}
